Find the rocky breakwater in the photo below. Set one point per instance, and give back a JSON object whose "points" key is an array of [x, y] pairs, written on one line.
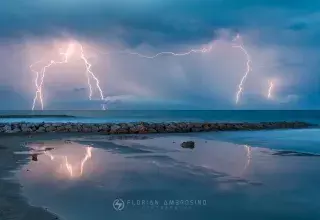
{"points": [[143, 127]]}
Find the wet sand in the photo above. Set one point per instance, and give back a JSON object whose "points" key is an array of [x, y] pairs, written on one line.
{"points": [[13, 206]]}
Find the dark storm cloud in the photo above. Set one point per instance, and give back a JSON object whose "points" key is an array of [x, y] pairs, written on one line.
{"points": [[143, 21], [287, 28]]}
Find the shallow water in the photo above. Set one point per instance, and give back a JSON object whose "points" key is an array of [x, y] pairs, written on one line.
{"points": [[82, 178]]}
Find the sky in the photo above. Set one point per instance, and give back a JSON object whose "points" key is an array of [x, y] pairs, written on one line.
{"points": [[280, 36]]}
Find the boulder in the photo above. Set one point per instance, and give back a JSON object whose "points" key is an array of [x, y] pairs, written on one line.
{"points": [[188, 144], [34, 157]]}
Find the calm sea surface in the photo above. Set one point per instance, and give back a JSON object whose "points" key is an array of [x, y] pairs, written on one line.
{"points": [[163, 116]]}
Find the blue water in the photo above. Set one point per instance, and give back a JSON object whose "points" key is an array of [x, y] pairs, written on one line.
{"points": [[234, 175], [302, 140], [165, 116]]}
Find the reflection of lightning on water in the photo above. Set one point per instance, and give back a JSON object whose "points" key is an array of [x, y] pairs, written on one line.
{"points": [[69, 166], [49, 155], [84, 160], [248, 155], [66, 55]]}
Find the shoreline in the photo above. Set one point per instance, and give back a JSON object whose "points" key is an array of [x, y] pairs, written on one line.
{"points": [[13, 204], [143, 127]]}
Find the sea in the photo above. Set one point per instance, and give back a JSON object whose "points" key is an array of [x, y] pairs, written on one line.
{"points": [[161, 116], [248, 175]]}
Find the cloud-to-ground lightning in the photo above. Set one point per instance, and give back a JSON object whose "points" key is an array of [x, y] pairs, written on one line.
{"points": [[203, 50], [270, 89], [248, 64], [90, 73], [237, 43], [38, 85], [66, 55]]}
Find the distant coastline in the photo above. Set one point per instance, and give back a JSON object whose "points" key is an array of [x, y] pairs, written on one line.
{"points": [[36, 116]]}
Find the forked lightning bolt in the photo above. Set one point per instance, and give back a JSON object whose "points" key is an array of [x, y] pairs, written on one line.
{"points": [[90, 74], [270, 90], [248, 69], [39, 80], [202, 50], [43, 72]]}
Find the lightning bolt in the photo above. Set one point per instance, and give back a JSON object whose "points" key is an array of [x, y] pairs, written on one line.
{"points": [[43, 72], [248, 64], [66, 55], [270, 90], [201, 50], [36, 83], [90, 73]]}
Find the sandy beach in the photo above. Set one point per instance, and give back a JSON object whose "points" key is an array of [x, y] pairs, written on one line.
{"points": [[12, 204], [219, 172]]}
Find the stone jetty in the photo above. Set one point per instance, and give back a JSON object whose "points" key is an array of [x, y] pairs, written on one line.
{"points": [[143, 127]]}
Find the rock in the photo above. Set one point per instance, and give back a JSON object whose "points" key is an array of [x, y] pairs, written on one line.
{"points": [[152, 130], [188, 144], [50, 128], [95, 129], [196, 129], [114, 129], [41, 129], [143, 127], [7, 129], [34, 157]]}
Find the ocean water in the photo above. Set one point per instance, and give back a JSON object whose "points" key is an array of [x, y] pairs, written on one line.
{"points": [[160, 116], [227, 176]]}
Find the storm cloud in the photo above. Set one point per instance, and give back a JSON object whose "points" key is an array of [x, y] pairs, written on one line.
{"points": [[280, 36]]}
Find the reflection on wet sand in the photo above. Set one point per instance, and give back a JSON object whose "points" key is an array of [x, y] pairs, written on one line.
{"points": [[64, 161], [224, 174], [249, 156]]}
